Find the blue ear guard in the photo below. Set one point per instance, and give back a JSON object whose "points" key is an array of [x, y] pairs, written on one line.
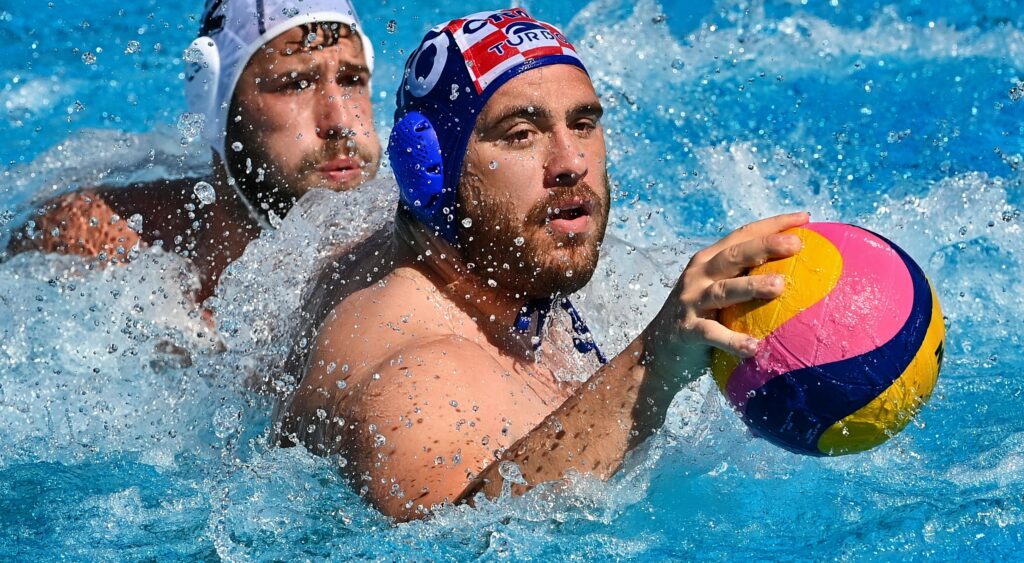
{"points": [[419, 168]]}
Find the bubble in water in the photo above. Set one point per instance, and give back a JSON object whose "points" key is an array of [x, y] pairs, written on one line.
{"points": [[89, 58], [392, 26], [135, 223], [678, 64], [205, 193], [190, 126], [132, 47]]}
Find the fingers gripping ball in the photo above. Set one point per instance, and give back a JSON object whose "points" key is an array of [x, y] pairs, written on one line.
{"points": [[850, 351]]}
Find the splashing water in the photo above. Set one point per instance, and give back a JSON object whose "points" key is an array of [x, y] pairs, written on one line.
{"points": [[133, 431]]}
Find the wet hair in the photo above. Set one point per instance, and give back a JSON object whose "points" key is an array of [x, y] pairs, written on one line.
{"points": [[213, 21]]}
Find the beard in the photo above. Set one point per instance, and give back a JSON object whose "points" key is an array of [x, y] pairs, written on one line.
{"points": [[272, 185], [525, 256]]}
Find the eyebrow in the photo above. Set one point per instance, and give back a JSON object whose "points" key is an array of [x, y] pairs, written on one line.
{"points": [[315, 68], [534, 113]]}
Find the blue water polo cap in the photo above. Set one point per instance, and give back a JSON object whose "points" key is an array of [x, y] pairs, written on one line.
{"points": [[448, 80]]}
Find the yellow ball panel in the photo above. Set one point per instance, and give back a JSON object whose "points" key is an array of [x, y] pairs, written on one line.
{"points": [[890, 412], [810, 276]]}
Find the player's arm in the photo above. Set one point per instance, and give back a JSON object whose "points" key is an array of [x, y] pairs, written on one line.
{"points": [[80, 224], [416, 429], [627, 400]]}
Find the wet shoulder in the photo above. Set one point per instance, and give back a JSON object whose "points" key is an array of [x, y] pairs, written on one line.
{"points": [[401, 309], [82, 223]]}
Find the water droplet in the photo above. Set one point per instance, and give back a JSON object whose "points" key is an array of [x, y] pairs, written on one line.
{"points": [[467, 222], [493, 165], [89, 58], [379, 440], [275, 220], [226, 420], [492, 283], [132, 47], [236, 146], [331, 367], [192, 55], [678, 64], [190, 125], [454, 403], [520, 241], [510, 472], [1017, 92], [205, 193], [392, 26], [135, 223], [341, 384]]}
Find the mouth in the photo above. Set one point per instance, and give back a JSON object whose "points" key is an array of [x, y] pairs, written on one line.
{"points": [[341, 170], [570, 216]]}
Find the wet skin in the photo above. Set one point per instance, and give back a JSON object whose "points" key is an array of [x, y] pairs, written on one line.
{"points": [[418, 383], [302, 113]]}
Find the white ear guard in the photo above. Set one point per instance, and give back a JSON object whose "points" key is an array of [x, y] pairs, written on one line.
{"points": [[202, 79]]}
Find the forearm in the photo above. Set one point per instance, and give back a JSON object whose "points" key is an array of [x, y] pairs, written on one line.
{"points": [[591, 432]]}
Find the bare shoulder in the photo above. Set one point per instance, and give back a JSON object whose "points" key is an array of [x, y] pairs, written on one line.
{"points": [[402, 308], [81, 223], [422, 425]]}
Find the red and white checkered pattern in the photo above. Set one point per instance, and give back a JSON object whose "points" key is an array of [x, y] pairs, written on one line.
{"points": [[493, 42]]}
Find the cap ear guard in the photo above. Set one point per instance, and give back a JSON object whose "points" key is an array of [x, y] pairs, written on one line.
{"points": [[418, 164], [202, 78]]}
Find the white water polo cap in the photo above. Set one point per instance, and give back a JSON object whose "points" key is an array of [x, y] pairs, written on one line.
{"points": [[232, 32]]}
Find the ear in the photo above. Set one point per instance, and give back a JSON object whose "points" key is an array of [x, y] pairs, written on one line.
{"points": [[416, 158], [202, 78]]}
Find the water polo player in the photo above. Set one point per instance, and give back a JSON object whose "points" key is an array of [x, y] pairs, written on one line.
{"points": [[467, 368], [283, 89]]}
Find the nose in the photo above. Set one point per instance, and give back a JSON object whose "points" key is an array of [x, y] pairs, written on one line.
{"points": [[333, 118], [566, 165]]}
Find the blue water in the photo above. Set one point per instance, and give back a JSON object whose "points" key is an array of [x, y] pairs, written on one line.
{"points": [[128, 436]]}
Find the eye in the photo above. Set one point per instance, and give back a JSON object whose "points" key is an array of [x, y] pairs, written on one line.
{"points": [[585, 126], [294, 85], [518, 137], [352, 80]]}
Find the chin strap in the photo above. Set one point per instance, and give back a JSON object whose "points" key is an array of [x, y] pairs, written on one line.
{"points": [[582, 339]]}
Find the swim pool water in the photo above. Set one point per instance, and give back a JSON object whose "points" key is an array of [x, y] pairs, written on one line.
{"points": [[897, 116]]}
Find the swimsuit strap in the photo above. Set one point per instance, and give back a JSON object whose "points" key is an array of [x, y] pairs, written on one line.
{"points": [[582, 338]]}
